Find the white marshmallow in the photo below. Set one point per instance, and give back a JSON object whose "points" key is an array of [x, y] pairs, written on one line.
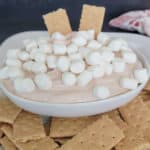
{"points": [[45, 48], [59, 49], [119, 65], [23, 55], [43, 81], [43, 40], [38, 67], [103, 38], [93, 58], [141, 75], [40, 57], [13, 62], [63, 63], [101, 92], [128, 83], [88, 34], [72, 48], [97, 71], [68, 79], [79, 40], [84, 78], [108, 69], [28, 65], [4, 72], [51, 61], [84, 51], [24, 85], [75, 56], [108, 56], [12, 53], [129, 57], [14, 72], [58, 36], [116, 44], [33, 52], [93, 44], [29, 44], [77, 66]]}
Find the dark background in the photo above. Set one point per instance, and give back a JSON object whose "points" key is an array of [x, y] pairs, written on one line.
{"points": [[24, 15]]}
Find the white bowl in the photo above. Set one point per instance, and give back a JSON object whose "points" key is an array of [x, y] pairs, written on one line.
{"points": [[139, 43]]}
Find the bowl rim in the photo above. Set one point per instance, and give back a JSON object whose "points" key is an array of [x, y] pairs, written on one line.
{"points": [[141, 86]]}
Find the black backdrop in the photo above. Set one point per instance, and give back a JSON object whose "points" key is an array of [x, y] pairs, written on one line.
{"points": [[24, 15]]}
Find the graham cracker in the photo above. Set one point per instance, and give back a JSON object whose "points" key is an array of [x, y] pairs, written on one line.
{"points": [[103, 134], [147, 87], [145, 95], [28, 126], [46, 142], [115, 116], [8, 111], [57, 21], [61, 141], [134, 140], [147, 104], [7, 144], [68, 127], [92, 18]]}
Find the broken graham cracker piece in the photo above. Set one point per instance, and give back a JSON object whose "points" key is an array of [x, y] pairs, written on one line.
{"points": [[57, 21], [134, 140], [92, 18], [8, 111], [28, 126], [115, 116], [102, 134], [7, 144], [68, 127], [46, 142]]}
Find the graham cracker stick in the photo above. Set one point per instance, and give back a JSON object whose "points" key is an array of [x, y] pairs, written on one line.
{"points": [[92, 18], [102, 134], [57, 21], [28, 126], [134, 140], [68, 127], [8, 111]]}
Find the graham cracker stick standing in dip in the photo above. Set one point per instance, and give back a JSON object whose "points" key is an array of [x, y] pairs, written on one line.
{"points": [[57, 21], [92, 18]]}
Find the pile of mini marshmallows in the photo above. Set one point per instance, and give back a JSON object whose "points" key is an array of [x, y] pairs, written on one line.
{"points": [[79, 56]]}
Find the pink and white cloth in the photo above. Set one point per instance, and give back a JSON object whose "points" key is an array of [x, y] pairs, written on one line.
{"points": [[133, 21]]}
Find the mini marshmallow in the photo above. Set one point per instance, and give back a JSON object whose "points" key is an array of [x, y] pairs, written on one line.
{"points": [[97, 71], [119, 65], [79, 40], [128, 83], [43, 81], [116, 44], [108, 69], [38, 67], [4, 72], [75, 56], [141, 75], [108, 56], [93, 58], [101, 92], [24, 85], [13, 62], [63, 63], [58, 36], [28, 65], [45, 48], [23, 55], [84, 51], [68, 79], [84, 78], [77, 66], [12, 53], [93, 44], [43, 40], [59, 49], [129, 57], [72, 48], [103, 38], [40, 57], [29, 44], [88, 34], [33, 52], [14, 72], [51, 61]]}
